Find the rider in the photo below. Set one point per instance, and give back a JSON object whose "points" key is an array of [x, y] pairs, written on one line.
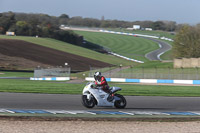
{"points": [[100, 81]]}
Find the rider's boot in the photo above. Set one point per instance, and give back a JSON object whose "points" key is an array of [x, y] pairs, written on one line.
{"points": [[110, 97]]}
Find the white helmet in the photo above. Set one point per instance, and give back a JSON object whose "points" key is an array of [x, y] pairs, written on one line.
{"points": [[97, 74]]}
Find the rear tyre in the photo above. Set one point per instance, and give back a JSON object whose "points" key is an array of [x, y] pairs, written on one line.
{"points": [[88, 103], [120, 104]]}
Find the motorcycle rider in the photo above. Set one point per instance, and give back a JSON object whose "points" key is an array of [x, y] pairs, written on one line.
{"points": [[100, 81]]}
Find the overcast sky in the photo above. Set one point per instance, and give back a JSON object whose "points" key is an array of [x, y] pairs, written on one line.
{"points": [[181, 11]]}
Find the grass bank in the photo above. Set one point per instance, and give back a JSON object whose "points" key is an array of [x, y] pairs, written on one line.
{"points": [[69, 48]]}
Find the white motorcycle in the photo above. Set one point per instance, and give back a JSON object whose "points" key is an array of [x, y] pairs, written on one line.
{"points": [[96, 96]]}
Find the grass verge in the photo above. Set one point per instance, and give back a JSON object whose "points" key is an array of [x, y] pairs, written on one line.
{"points": [[16, 74], [27, 86]]}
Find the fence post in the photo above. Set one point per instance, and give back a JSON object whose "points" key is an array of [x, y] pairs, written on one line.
{"points": [[182, 73], [143, 72], [120, 66], [197, 74], [109, 71], [90, 71], [169, 73], [156, 72], [131, 71]]}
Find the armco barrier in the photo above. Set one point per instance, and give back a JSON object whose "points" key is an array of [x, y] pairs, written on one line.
{"points": [[52, 78], [164, 81], [126, 58], [129, 34], [140, 35]]}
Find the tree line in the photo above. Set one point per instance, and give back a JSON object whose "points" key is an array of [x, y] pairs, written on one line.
{"points": [[102, 23], [41, 25], [91, 22]]}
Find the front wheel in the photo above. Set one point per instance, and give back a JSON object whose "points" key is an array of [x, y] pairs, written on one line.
{"points": [[120, 103], [88, 103]]}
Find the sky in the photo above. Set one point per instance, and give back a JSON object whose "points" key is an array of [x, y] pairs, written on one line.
{"points": [[181, 11]]}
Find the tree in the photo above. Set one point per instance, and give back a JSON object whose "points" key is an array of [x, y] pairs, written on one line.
{"points": [[158, 25], [6, 21], [64, 16], [187, 42], [169, 25]]}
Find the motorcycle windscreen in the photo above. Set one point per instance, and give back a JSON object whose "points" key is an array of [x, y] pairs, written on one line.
{"points": [[115, 89]]}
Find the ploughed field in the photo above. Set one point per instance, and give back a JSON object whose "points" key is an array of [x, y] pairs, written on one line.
{"points": [[18, 54]]}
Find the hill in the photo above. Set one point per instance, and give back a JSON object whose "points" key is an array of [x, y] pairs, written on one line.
{"points": [[73, 49], [32, 55]]}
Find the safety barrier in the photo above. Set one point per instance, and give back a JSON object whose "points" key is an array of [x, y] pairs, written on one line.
{"points": [[130, 34], [140, 35], [155, 81], [52, 78], [126, 58]]}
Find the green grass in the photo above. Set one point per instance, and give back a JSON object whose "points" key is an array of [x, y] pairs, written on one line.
{"points": [[66, 47], [153, 64], [27, 86], [16, 74], [165, 56], [129, 46]]}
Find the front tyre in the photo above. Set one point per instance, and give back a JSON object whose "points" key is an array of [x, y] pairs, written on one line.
{"points": [[88, 103], [120, 104]]}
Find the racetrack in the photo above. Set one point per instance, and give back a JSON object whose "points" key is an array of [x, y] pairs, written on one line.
{"points": [[73, 102], [155, 55]]}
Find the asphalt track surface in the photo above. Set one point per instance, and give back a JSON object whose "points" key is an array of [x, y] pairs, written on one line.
{"points": [[73, 102], [155, 55]]}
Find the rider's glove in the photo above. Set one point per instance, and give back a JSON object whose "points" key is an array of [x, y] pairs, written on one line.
{"points": [[98, 82]]}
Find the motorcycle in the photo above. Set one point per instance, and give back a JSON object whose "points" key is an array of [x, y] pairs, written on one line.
{"points": [[96, 96]]}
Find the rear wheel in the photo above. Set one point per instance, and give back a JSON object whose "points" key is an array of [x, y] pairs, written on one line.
{"points": [[88, 103], [120, 103]]}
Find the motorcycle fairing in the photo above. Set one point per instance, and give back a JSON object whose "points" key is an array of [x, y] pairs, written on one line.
{"points": [[101, 97]]}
